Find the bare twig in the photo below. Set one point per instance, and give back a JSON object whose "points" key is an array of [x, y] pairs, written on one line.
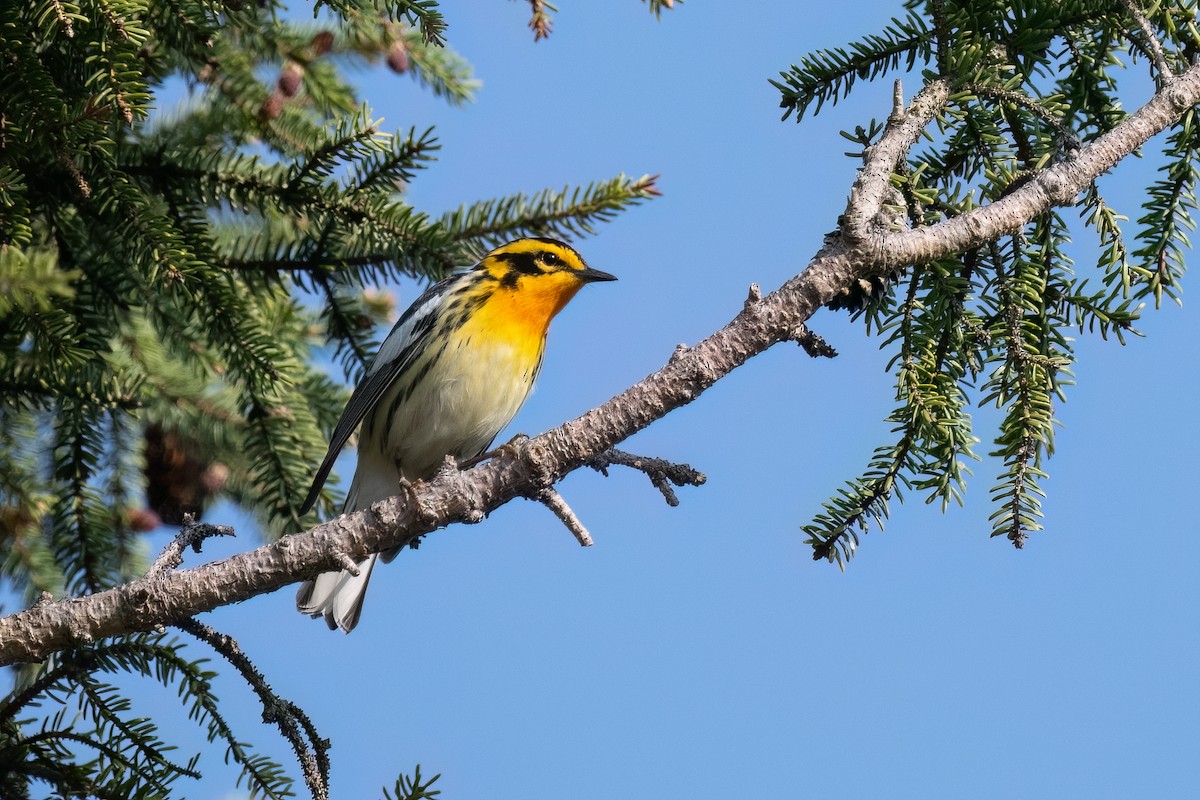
{"points": [[192, 535], [873, 186], [311, 750], [660, 472], [556, 503], [1152, 44]]}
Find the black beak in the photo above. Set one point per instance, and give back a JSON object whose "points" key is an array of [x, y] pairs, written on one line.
{"points": [[588, 275]]}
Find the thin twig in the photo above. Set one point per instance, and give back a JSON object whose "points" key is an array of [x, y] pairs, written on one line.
{"points": [[1165, 73], [311, 750], [192, 535], [347, 563], [661, 473], [1068, 136], [555, 502]]}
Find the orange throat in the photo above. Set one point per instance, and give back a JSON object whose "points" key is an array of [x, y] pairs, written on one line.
{"points": [[521, 315]]}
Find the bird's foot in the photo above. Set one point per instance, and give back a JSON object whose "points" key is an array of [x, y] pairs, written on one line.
{"points": [[509, 449]]}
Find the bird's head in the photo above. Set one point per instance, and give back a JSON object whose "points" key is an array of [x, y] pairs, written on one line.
{"points": [[539, 275]]}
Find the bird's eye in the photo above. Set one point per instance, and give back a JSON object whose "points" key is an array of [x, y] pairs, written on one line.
{"points": [[551, 260]]}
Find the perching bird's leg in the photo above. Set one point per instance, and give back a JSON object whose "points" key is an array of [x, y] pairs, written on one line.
{"points": [[509, 449]]}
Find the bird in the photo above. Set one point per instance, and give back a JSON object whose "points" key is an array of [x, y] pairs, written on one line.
{"points": [[450, 375]]}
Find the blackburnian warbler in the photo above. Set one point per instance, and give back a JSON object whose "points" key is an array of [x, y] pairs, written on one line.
{"points": [[450, 375]]}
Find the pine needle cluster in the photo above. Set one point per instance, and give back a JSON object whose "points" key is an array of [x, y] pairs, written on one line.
{"points": [[1031, 82]]}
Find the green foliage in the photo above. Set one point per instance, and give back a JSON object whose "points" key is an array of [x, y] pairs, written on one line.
{"points": [[95, 745], [31, 281], [1167, 219], [407, 788], [826, 76], [1032, 82], [563, 214], [166, 280]]}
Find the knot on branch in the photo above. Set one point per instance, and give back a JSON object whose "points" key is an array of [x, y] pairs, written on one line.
{"points": [[1179, 98], [533, 457], [754, 296], [1057, 188], [137, 607]]}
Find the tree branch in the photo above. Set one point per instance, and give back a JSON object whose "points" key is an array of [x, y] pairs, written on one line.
{"points": [[873, 184], [168, 597], [1055, 186]]}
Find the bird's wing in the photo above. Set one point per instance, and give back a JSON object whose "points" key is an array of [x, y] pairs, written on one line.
{"points": [[406, 341]]}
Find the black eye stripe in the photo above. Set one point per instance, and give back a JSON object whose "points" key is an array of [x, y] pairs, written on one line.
{"points": [[522, 262], [539, 262]]}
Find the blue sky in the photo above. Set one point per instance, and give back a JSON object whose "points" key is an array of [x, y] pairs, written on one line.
{"points": [[698, 651]]}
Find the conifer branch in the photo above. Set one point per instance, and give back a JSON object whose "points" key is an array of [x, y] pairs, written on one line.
{"points": [[1150, 42], [1055, 186], [312, 751]]}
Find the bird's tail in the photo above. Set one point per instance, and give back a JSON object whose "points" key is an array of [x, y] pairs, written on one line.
{"points": [[337, 596]]}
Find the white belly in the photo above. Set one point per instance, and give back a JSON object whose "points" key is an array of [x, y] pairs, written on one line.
{"points": [[456, 409]]}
